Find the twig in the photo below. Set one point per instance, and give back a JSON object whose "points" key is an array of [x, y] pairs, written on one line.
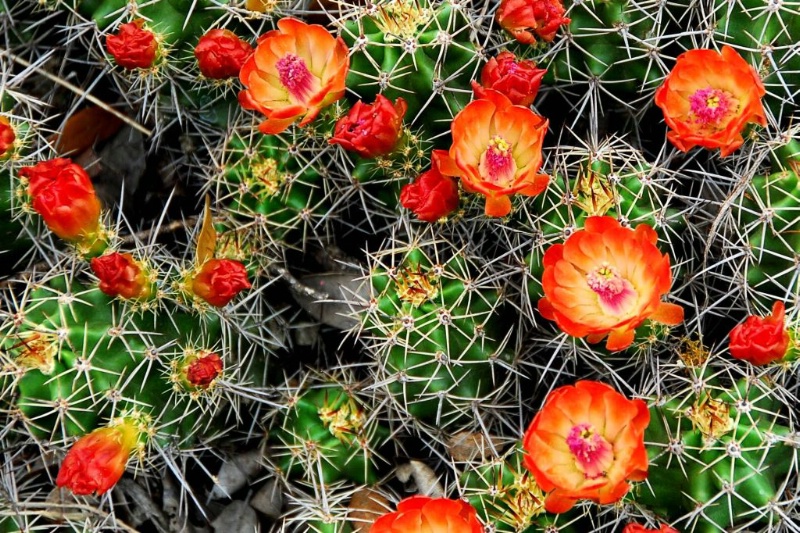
{"points": [[77, 90]]}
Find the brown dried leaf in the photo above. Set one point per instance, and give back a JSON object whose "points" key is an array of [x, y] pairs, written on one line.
{"points": [[85, 128], [468, 445], [366, 506], [207, 240], [425, 479]]}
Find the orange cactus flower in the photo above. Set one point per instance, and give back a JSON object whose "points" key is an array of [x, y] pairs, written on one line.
{"points": [[97, 461], [421, 514], [133, 46], [528, 19], [587, 442], [496, 151], [607, 280], [709, 98], [219, 281], [296, 71]]}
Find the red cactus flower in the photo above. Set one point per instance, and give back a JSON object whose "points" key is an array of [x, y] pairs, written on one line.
{"points": [[761, 340], [519, 81], [421, 514], [708, 98], [219, 281], [371, 130], [296, 71], [120, 275], [528, 19], [97, 461], [587, 442], [7, 136], [431, 196], [133, 47], [221, 53], [200, 372], [64, 196]]}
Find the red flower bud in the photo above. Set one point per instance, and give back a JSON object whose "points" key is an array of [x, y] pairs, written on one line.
{"points": [[219, 280], [97, 460], [431, 196], [202, 371], [7, 136], [422, 514], [761, 340], [527, 19], [133, 47], [518, 80], [220, 54], [371, 130], [64, 196], [120, 275]]}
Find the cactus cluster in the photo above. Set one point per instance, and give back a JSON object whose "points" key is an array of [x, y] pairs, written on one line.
{"points": [[335, 266]]}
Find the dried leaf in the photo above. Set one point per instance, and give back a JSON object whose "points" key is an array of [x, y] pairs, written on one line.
{"points": [[468, 445], [366, 506], [207, 240], [427, 483], [238, 517], [269, 499], [336, 294], [85, 128]]}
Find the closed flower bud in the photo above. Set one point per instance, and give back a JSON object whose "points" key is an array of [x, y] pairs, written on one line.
{"points": [[431, 196], [97, 461], [638, 528], [221, 53], [518, 80], [528, 19], [133, 47], [371, 130], [120, 275], [219, 281], [200, 372], [7, 136], [64, 196], [761, 340]]}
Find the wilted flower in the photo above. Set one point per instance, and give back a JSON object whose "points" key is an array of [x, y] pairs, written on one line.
{"points": [[587, 442], [7, 136], [296, 71], [421, 514], [120, 275], [97, 461], [371, 130], [607, 280], [133, 46], [201, 371], [708, 98], [496, 151], [221, 53], [64, 196], [761, 340], [519, 81], [528, 19], [431, 196], [219, 281]]}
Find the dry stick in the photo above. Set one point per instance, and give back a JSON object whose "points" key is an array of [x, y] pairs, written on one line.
{"points": [[77, 90]]}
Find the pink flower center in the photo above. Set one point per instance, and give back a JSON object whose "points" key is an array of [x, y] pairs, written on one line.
{"points": [[497, 166], [295, 76], [593, 454], [710, 106], [614, 291]]}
